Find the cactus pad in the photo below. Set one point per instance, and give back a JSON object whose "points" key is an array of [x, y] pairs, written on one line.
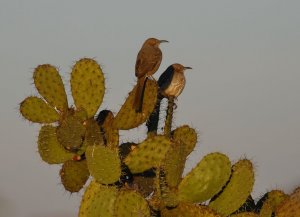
{"points": [[37, 110], [70, 132], [148, 154], [51, 151], [271, 200], [111, 135], [174, 163], [206, 179], [127, 118], [187, 136], [98, 200], [237, 190], [93, 135], [246, 214], [49, 84], [103, 163], [189, 210], [74, 175], [130, 203], [87, 85], [290, 207]]}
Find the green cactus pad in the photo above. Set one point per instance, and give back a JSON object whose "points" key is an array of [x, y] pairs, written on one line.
{"points": [[206, 179], [103, 163], [98, 201], [266, 210], [130, 203], [51, 151], [93, 135], [74, 175], [237, 190], [174, 163], [127, 118], [272, 200], [71, 132], [37, 110], [87, 85], [296, 194], [49, 84], [290, 207], [148, 154], [246, 214], [189, 210], [187, 136]]}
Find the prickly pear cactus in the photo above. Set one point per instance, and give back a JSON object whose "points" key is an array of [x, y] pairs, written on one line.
{"points": [[144, 179]]}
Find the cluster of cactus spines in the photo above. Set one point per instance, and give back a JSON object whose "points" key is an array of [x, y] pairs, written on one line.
{"points": [[142, 179]]}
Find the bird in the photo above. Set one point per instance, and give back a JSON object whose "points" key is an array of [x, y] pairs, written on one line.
{"points": [[172, 80], [147, 63]]}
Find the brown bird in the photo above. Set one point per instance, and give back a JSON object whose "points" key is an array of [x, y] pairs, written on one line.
{"points": [[147, 62], [172, 81]]}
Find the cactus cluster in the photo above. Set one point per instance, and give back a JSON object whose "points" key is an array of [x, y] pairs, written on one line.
{"points": [[144, 179]]}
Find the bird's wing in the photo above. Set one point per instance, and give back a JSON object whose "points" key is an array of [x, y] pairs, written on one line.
{"points": [[166, 78], [148, 61]]}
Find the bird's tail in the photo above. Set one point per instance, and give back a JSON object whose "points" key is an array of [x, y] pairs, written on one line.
{"points": [[139, 94]]}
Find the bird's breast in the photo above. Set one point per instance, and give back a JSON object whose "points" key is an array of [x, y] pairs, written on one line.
{"points": [[176, 85]]}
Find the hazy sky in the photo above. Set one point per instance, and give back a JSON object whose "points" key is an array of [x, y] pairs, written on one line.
{"points": [[242, 94]]}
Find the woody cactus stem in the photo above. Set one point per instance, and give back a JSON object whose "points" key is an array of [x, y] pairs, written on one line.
{"points": [[169, 118]]}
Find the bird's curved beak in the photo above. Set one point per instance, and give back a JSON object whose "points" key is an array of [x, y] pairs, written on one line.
{"points": [[163, 41], [187, 67]]}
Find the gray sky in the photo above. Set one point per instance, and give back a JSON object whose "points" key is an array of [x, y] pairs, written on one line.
{"points": [[242, 94]]}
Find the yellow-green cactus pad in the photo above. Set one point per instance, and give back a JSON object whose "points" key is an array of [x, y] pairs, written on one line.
{"points": [[237, 190], [206, 179], [148, 154], [87, 85], [127, 118], [130, 203], [37, 110], [98, 201], [74, 175], [296, 194], [93, 135], [273, 199], [290, 207], [70, 132], [246, 214], [189, 210], [266, 210], [49, 84], [51, 151], [187, 136], [103, 163], [174, 163]]}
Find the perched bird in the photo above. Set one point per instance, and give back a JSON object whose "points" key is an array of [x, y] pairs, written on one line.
{"points": [[172, 81], [147, 62]]}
